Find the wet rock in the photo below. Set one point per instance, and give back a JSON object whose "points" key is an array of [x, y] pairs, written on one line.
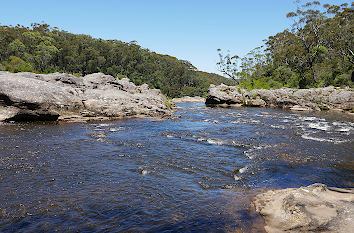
{"points": [[328, 98], [313, 208], [204, 185], [57, 96], [97, 135]]}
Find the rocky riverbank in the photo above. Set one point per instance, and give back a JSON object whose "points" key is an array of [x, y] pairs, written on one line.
{"points": [[317, 99], [189, 99], [60, 96], [307, 209]]}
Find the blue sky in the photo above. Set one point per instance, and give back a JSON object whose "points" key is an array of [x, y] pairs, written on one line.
{"points": [[188, 29]]}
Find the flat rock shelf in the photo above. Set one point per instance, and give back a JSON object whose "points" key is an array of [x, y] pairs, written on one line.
{"points": [[58, 96], [313, 99], [315, 208]]}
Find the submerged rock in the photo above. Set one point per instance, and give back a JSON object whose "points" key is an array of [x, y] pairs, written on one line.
{"points": [[58, 96], [307, 209], [328, 98]]}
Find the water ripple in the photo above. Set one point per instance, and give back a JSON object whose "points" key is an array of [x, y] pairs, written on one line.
{"points": [[194, 173]]}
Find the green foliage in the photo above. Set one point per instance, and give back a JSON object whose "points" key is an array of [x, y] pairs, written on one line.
{"points": [[317, 52], [16, 64], [16, 47], [43, 49], [170, 106], [228, 65], [262, 83], [120, 76], [343, 80]]}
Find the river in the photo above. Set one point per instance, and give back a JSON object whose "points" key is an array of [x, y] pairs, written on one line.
{"points": [[196, 173]]}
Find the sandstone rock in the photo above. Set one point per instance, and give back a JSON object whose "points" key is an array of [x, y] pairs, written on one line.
{"points": [[223, 94], [307, 209], [29, 97], [255, 103], [7, 112], [299, 108], [317, 99], [188, 99]]}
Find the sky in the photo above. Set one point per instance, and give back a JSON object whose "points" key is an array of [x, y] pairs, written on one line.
{"points": [[190, 30]]}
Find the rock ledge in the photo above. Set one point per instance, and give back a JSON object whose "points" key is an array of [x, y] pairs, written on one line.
{"points": [[315, 208], [60, 96], [328, 98]]}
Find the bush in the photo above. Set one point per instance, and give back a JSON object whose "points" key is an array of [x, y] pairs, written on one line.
{"points": [[342, 80], [262, 83], [16, 65]]}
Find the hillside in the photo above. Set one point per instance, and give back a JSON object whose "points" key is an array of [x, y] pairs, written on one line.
{"points": [[45, 49]]}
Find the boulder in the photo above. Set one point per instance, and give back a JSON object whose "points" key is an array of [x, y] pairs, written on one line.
{"points": [[57, 96], [315, 208], [317, 99], [224, 94]]}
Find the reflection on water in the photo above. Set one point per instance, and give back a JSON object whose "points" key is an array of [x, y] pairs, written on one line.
{"points": [[196, 172]]}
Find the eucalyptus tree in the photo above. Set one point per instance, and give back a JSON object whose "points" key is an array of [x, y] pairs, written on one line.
{"points": [[316, 51], [42, 48]]}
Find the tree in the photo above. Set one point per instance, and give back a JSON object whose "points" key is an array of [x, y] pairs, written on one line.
{"points": [[16, 47], [16, 64], [228, 64], [41, 48], [317, 51], [45, 53]]}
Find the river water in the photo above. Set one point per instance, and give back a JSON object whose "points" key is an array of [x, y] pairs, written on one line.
{"points": [[196, 173]]}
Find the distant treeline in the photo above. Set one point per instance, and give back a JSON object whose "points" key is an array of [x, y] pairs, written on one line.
{"points": [[45, 49], [317, 51]]}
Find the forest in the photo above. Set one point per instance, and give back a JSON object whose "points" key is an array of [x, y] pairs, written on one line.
{"points": [[41, 48], [317, 51]]}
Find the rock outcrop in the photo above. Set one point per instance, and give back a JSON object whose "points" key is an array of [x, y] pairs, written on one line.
{"points": [[328, 98], [60, 96], [315, 208]]}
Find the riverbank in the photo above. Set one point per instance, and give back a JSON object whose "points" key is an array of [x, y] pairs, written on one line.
{"points": [[188, 99], [64, 97], [314, 99]]}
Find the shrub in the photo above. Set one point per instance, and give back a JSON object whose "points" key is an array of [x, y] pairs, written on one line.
{"points": [[16, 65]]}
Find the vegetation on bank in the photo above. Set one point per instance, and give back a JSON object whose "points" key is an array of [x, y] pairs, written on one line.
{"points": [[318, 51], [45, 49]]}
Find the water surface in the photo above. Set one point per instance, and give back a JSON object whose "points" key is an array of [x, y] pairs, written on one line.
{"points": [[195, 173]]}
